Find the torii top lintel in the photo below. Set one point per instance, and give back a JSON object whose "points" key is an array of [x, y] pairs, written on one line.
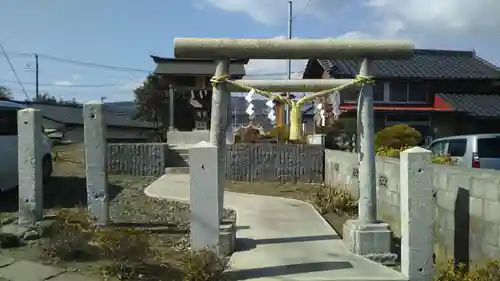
{"points": [[225, 48]]}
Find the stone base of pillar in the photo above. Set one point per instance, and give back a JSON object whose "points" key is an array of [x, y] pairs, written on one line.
{"points": [[227, 238], [370, 240]]}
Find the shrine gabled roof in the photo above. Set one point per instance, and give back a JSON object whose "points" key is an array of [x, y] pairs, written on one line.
{"points": [[189, 67], [428, 64]]}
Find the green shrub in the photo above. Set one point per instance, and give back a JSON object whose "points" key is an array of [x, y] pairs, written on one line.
{"points": [[394, 152], [397, 136]]}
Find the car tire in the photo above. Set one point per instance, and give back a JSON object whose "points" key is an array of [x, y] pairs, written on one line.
{"points": [[47, 167]]}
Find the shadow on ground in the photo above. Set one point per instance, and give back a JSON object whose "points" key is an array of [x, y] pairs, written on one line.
{"points": [[59, 192], [273, 271], [246, 244]]}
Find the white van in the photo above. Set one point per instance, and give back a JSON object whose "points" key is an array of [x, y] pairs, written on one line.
{"points": [[472, 151], [8, 147]]}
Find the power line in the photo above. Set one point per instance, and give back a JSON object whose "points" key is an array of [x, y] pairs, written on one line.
{"points": [[91, 64], [302, 10], [119, 68], [13, 70], [66, 86]]}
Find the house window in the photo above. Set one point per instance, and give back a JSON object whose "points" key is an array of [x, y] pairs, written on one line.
{"points": [[378, 92], [407, 92], [351, 95], [416, 92], [438, 148], [8, 123], [457, 147], [398, 92]]}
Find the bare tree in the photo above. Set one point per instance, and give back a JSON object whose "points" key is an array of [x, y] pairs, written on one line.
{"points": [[5, 93], [152, 103]]}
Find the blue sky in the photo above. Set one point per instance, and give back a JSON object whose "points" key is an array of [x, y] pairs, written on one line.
{"points": [[125, 34]]}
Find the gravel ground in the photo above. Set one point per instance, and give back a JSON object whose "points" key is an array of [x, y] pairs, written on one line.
{"points": [[129, 206]]}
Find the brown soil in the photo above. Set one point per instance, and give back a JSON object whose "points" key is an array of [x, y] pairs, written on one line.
{"points": [[301, 191]]}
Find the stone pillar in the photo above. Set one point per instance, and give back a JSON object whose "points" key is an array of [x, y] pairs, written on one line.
{"points": [[30, 158], [366, 236], [204, 197], [417, 207], [367, 209], [96, 161], [218, 127], [171, 108]]}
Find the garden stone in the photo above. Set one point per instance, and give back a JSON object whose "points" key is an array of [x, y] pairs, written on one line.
{"points": [[4, 261], [45, 226], [31, 235], [9, 220], [15, 229], [8, 240]]}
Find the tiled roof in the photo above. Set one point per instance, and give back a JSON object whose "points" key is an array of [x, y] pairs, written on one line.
{"points": [[474, 105], [74, 115], [437, 64]]}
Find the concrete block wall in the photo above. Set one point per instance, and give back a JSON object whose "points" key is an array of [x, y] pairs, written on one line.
{"points": [[286, 163], [466, 204]]}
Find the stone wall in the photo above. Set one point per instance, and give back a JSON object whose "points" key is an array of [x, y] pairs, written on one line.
{"points": [[466, 204], [247, 162]]}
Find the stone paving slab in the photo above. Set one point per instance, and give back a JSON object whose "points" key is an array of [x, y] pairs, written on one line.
{"points": [[4, 261], [70, 276], [29, 271]]}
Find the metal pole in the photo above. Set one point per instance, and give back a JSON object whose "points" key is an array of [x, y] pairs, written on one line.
{"points": [[289, 67], [37, 94], [218, 126], [367, 210], [171, 108]]}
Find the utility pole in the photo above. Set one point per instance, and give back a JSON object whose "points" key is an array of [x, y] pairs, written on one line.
{"points": [[37, 94], [289, 68]]}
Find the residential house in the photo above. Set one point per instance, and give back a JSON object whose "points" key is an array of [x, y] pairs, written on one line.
{"points": [[65, 122], [438, 92]]}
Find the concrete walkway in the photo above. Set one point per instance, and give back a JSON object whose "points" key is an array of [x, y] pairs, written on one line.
{"points": [[282, 239]]}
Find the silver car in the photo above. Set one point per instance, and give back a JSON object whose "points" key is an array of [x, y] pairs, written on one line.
{"points": [[473, 151]]}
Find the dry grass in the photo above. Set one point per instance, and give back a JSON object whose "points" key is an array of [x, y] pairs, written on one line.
{"points": [[338, 200], [125, 253], [147, 240], [459, 272]]}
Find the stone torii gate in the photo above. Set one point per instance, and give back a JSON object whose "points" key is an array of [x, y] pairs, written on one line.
{"points": [[359, 233]]}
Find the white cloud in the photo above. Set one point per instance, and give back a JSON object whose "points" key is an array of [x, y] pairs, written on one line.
{"points": [[277, 12], [387, 18], [63, 83], [132, 84], [440, 16]]}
